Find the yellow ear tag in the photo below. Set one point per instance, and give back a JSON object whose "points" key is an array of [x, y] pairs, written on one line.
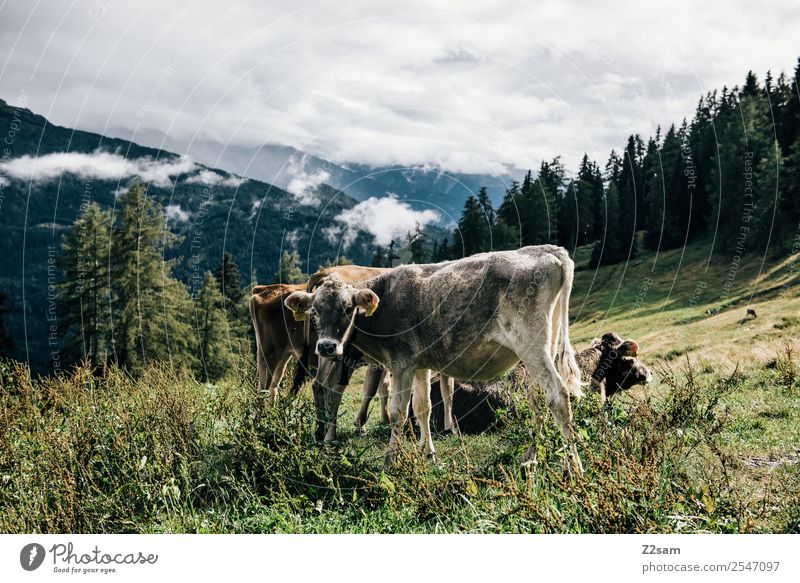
{"points": [[371, 310], [299, 316]]}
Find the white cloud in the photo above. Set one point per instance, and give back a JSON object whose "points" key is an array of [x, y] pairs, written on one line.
{"points": [[3, 181], [212, 178], [174, 212], [254, 207], [293, 238], [383, 218], [304, 185], [98, 165]]}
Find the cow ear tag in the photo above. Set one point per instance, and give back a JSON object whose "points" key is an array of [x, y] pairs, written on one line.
{"points": [[371, 310], [299, 316]]}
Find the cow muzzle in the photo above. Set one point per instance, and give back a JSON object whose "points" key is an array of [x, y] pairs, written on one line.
{"points": [[328, 348]]}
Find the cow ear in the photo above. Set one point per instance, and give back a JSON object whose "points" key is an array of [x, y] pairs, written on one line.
{"points": [[299, 303], [367, 300], [629, 348]]}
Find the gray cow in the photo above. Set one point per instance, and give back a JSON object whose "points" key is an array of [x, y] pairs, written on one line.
{"points": [[472, 318]]}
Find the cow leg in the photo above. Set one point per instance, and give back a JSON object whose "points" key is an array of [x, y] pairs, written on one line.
{"points": [[421, 403], [372, 382], [261, 367], [383, 394], [329, 373], [447, 388], [401, 396], [319, 406], [543, 369], [275, 370]]}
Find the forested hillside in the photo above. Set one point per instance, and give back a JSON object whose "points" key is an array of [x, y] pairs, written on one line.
{"points": [[210, 211], [731, 173]]}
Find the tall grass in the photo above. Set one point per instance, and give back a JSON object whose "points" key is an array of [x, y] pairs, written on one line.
{"points": [[162, 452]]}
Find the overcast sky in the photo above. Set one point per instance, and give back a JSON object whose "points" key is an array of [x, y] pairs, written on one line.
{"points": [[467, 88]]}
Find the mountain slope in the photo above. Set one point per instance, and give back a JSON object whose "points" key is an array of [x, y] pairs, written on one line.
{"points": [[213, 211], [692, 301]]}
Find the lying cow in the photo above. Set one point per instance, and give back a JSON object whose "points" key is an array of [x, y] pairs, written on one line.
{"points": [[609, 364], [473, 318]]}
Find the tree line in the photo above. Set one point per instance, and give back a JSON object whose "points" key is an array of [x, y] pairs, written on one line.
{"points": [[119, 302], [731, 173]]}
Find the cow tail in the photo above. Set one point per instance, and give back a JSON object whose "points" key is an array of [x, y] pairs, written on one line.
{"points": [[566, 363]]}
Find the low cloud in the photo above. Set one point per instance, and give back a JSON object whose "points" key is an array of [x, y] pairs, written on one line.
{"points": [[254, 207], [211, 178], [303, 185], [174, 212], [98, 165], [385, 219]]}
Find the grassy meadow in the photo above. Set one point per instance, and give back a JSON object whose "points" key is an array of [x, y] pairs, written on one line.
{"points": [[712, 446]]}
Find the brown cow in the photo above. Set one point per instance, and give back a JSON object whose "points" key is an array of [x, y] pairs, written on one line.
{"points": [[279, 336]]}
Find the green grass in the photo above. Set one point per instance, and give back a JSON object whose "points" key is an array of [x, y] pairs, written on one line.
{"points": [[712, 446]]}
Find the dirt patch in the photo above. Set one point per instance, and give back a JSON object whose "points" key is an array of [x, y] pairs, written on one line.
{"points": [[792, 457]]}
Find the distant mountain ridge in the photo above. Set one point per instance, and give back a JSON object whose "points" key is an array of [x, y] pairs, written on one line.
{"points": [[423, 187]]}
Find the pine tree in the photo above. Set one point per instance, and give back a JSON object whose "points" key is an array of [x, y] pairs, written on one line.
{"points": [[392, 257], [151, 310], [598, 194], [702, 144], [611, 247], [668, 194], [507, 224], [229, 280], [417, 245], [289, 269], [84, 292], [471, 226], [631, 187], [613, 170], [379, 257], [486, 204], [484, 234], [444, 251], [212, 332], [548, 189]]}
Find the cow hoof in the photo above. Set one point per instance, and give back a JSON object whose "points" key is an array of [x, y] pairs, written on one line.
{"points": [[361, 430], [431, 457]]}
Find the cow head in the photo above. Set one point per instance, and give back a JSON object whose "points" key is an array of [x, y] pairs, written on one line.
{"points": [[334, 305], [626, 372], [618, 367]]}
